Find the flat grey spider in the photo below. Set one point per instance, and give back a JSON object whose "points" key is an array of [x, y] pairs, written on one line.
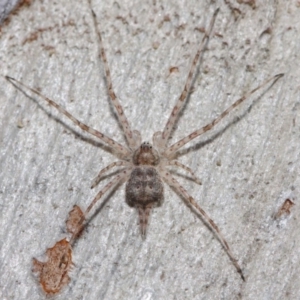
{"points": [[145, 167]]}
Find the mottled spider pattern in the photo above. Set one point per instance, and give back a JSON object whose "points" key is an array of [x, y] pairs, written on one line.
{"points": [[144, 166]]}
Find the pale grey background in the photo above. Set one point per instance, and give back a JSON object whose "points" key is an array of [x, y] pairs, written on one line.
{"points": [[248, 165]]}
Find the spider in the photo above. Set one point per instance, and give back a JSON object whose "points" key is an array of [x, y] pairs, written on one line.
{"points": [[145, 165]]}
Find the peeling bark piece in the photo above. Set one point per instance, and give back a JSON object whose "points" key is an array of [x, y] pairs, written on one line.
{"points": [[75, 221], [53, 274], [285, 208]]}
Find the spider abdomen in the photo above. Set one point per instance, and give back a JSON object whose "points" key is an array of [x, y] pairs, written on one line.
{"points": [[144, 187]]}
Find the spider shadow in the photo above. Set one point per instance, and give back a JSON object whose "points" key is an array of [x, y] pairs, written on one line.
{"points": [[197, 71], [114, 266], [97, 211], [185, 177], [113, 111], [199, 216], [103, 203], [222, 130], [195, 76], [204, 143], [70, 128]]}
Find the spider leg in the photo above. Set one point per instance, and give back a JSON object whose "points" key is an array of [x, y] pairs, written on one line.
{"points": [[176, 146], [123, 175], [114, 100], [119, 177], [107, 168], [171, 181], [182, 166], [118, 148], [182, 99]]}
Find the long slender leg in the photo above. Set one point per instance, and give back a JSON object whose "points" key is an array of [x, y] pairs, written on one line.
{"points": [[191, 201], [119, 177], [182, 166], [118, 148], [77, 228], [109, 167], [176, 146], [115, 102], [181, 101]]}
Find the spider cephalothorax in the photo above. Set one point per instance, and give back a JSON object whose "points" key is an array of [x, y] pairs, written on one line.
{"points": [[146, 155]]}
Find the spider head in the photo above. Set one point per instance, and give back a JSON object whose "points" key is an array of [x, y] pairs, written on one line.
{"points": [[146, 155]]}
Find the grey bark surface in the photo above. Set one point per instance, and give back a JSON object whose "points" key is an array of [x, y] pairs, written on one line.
{"points": [[248, 165]]}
